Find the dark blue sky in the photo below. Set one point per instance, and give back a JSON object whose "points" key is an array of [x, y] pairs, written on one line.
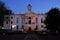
{"points": [[38, 6]]}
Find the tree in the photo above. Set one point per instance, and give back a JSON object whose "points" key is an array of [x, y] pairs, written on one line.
{"points": [[53, 19], [3, 11]]}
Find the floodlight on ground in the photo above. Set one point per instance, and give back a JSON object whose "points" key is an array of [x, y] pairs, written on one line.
{"points": [[2, 27], [13, 26]]}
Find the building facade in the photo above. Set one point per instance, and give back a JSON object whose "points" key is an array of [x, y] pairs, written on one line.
{"points": [[26, 21]]}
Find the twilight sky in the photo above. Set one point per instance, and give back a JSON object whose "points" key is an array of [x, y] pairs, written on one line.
{"points": [[38, 6]]}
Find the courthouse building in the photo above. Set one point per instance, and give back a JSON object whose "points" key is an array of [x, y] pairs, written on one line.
{"points": [[26, 21]]}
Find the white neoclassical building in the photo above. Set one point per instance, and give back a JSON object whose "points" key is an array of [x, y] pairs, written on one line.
{"points": [[26, 21]]}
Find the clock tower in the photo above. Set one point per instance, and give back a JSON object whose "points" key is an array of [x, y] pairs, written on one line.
{"points": [[29, 7]]}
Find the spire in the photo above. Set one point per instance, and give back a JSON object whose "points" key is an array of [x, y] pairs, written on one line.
{"points": [[29, 7]]}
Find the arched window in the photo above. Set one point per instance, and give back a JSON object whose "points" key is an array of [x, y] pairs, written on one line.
{"points": [[29, 29], [42, 20], [11, 27], [29, 21], [17, 27], [29, 17], [36, 28]]}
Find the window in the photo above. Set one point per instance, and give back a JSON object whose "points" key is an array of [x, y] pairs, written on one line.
{"points": [[11, 17], [29, 29], [36, 28], [6, 17], [29, 17], [36, 20], [11, 22], [42, 20], [17, 27], [29, 21], [26, 23], [7, 22], [42, 26], [11, 27], [17, 20]]}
